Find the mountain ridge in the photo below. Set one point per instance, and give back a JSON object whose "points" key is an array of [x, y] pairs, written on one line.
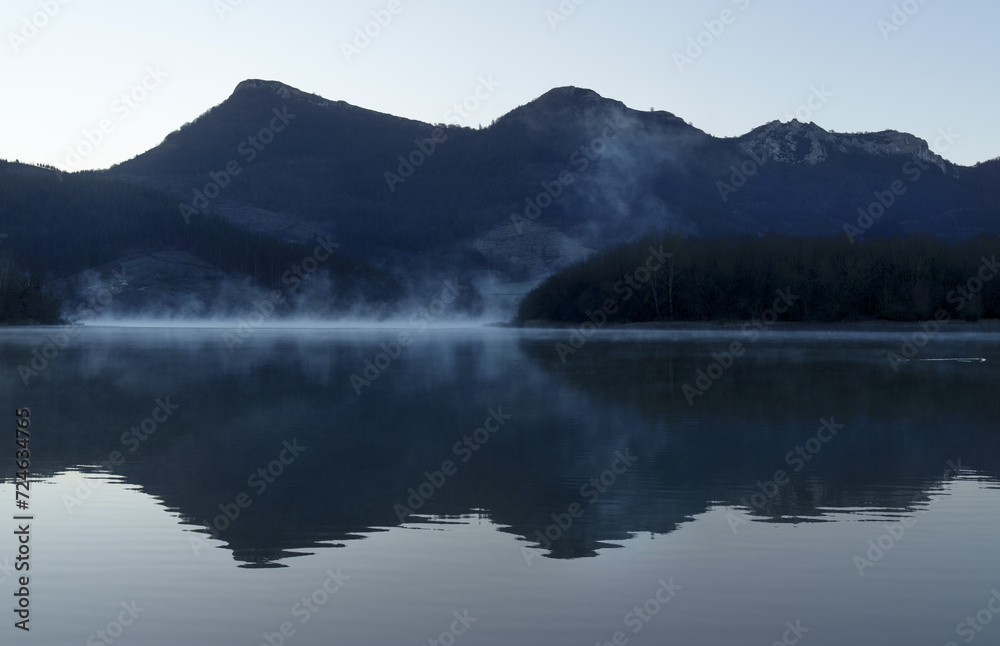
{"points": [[396, 190], [545, 186], [564, 98]]}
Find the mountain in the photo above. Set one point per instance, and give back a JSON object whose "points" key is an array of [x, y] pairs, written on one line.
{"points": [[110, 246], [394, 189], [503, 207]]}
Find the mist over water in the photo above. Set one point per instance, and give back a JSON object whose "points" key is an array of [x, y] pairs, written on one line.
{"points": [[119, 298]]}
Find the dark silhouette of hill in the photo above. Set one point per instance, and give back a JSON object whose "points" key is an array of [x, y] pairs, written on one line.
{"points": [[347, 170], [57, 225], [273, 168]]}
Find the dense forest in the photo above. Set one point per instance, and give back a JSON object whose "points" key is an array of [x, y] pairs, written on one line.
{"points": [[909, 278], [23, 298]]}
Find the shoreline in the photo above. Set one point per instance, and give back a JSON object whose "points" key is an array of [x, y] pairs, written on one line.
{"points": [[724, 326], [985, 325]]}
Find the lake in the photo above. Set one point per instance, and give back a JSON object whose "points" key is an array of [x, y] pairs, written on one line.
{"points": [[482, 486]]}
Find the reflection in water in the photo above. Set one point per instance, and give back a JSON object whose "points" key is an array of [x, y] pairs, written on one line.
{"points": [[810, 482], [271, 453]]}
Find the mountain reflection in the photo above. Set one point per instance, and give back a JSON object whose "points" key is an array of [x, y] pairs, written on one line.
{"points": [[272, 451]]}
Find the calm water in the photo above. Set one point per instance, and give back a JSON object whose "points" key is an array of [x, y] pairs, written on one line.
{"points": [[260, 491]]}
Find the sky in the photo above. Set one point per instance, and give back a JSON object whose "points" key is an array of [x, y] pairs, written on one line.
{"points": [[87, 84]]}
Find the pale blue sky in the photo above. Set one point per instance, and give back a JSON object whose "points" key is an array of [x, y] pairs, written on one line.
{"points": [[938, 71]]}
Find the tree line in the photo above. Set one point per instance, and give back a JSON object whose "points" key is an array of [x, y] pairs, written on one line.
{"points": [[909, 278], [23, 298]]}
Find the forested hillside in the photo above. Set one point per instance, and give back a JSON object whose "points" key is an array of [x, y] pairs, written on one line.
{"points": [[58, 224], [588, 166], [264, 174], [23, 298], [910, 278]]}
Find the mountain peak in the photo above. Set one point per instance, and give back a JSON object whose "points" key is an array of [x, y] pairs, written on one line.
{"points": [[276, 88], [795, 142], [571, 93], [565, 101], [285, 91], [783, 128], [569, 104]]}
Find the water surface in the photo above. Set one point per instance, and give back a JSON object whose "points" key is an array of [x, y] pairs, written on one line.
{"points": [[275, 488]]}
